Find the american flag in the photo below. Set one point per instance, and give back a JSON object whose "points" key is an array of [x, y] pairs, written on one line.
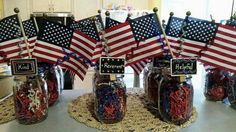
{"points": [[197, 34], [53, 46], [137, 67], [53, 42], [91, 28], [83, 45], [31, 33], [222, 53], [148, 34], [120, 40], [173, 32], [88, 26], [11, 41]]}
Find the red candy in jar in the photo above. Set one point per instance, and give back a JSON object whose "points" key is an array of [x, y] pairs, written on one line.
{"points": [[30, 99]]}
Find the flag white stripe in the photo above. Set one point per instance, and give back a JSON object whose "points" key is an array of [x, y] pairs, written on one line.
{"points": [[218, 63], [117, 31], [226, 30], [83, 39]]}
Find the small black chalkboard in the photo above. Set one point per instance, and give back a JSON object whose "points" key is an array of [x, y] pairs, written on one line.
{"points": [[24, 66], [112, 65], [183, 67]]}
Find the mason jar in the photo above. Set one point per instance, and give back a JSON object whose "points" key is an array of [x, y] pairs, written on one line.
{"points": [[175, 103], [52, 77], [231, 90], [215, 84], [30, 99], [152, 85], [109, 98]]}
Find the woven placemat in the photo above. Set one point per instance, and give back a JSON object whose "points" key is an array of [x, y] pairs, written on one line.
{"points": [[138, 116], [7, 111]]}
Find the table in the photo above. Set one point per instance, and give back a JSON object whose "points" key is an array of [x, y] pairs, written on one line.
{"points": [[58, 119]]}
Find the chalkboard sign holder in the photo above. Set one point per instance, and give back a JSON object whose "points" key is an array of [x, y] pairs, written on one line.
{"points": [[24, 66], [111, 65], [182, 67]]}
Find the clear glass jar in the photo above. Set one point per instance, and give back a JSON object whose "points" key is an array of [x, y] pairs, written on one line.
{"points": [[30, 99], [109, 98], [175, 102], [145, 77], [215, 84], [52, 77], [231, 90], [152, 86]]}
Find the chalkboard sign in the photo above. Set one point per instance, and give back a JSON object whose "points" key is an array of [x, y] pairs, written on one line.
{"points": [[183, 67], [111, 65], [24, 66]]}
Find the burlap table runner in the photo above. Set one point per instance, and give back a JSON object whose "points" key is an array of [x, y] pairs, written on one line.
{"points": [[139, 116]]}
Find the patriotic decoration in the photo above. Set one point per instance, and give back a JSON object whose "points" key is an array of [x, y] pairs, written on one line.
{"points": [[83, 45], [10, 39], [120, 40], [147, 32], [145, 27], [197, 34], [88, 26], [31, 33], [222, 53], [173, 32], [53, 42]]}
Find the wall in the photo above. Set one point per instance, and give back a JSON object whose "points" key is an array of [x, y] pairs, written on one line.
{"points": [[1, 9]]}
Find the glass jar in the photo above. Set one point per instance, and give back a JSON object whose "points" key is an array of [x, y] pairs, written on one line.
{"points": [[231, 90], [215, 84], [109, 98], [30, 99], [145, 77], [152, 86], [175, 102], [52, 78]]}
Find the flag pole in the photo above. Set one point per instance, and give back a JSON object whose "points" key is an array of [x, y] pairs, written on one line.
{"points": [[35, 22], [167, 42], [16, 10]]}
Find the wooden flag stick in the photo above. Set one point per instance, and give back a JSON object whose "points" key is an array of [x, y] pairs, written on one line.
{"points": [[167, 42], [16, 10]]}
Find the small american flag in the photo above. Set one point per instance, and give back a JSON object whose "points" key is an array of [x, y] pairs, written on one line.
{"points": [[120, 40], [222, 53], [197, 34], [148, 33], [83, 45], [53, 45], [173, 32], [53, 42], [88, 26], [11, 41], [31, 33]]}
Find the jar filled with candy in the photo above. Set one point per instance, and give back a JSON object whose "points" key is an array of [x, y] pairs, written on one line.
{"points": [[215, 84], [231, 90], [52, 78], [175, 102], [30, 99], [152, 86], [153, 73], [110, 98]]}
